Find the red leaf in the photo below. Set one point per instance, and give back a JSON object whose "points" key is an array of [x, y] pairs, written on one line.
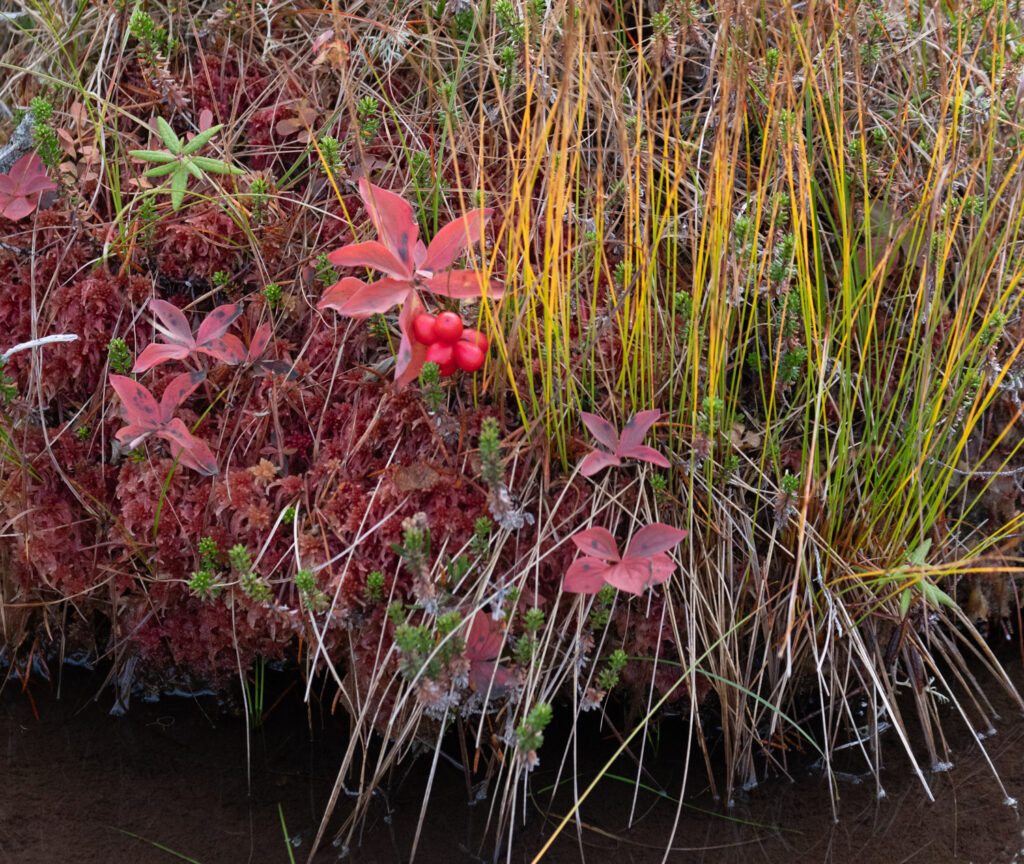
{"points": [[228, 349], [22, 186], [198, 456], [585, 576], [653, 539], [412, 353], [485, 638], [373, 255], [175, 327], [483, 644], [156, 353], [596, 461], [597, 542], [139, 407], [392, 217], [649, 454], [131, 436], [376, 298], [635, 429], [176, 432], [260, 340], [602, 430], [452, 240], [339, 293], [217, 322], [177, 391], [463, 285], [635, 575]]}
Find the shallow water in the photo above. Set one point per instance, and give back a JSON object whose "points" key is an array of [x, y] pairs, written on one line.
{"points": [[78, 782]]}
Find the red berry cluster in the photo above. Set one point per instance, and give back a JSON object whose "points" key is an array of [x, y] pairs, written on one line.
{"points": [[449, 344]]}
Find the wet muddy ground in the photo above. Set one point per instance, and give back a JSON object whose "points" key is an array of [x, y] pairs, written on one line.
{"points": [[80, 786]]}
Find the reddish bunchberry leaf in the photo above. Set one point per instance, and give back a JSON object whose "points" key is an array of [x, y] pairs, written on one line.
{"points": [[22, 186], [146, 417], [483, 647], [179, 344], [644, 564], [627, 446], [264, 366], [408, 266]]}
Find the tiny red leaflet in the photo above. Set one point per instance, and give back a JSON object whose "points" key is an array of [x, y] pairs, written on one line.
{"points": [[211, 338], [483, 647], [257, 348], [146, 417], [21, 187]]}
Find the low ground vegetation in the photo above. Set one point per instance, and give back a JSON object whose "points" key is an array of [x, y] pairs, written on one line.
{"points": [[484, 362]]}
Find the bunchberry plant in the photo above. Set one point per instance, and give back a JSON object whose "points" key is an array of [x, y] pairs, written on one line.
{"points": [[146, 417], [409, 266], [483, 648], [211, 338], [625, 446], [22, 187], [181, 160], [644, 564]]}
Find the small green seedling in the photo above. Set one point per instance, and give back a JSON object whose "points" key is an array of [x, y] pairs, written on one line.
{"points": [[181, 160]]}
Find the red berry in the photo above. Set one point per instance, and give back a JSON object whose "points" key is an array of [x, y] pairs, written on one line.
{"points": [[448, 328], [468, 357], [475, 337], [423, 328], [443, 355]]}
